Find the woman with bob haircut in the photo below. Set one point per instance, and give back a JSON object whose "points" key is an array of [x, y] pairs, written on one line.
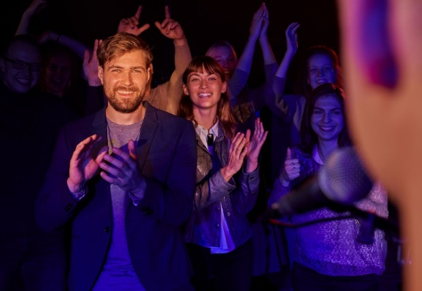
{"points": [[218, 233]]}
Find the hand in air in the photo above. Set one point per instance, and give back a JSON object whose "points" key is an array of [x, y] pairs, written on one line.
{"points": [[130, 24], [90, 65], [291, 38], [170, 28]]}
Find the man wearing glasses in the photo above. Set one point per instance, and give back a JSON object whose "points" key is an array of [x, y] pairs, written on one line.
{"points": [[29, 124]]}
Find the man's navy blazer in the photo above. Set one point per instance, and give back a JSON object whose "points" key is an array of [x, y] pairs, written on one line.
{"points": [[167, 159]]}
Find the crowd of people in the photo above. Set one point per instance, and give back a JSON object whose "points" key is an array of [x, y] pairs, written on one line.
{"points": [[135, 186]]}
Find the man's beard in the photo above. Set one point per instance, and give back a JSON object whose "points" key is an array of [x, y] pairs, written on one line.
{"points": [[128, 105]]}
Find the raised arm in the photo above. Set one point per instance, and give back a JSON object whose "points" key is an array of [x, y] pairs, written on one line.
{"points": [[173, 89], [245, 60], [32, 10], [36, 7], [74, 45], [286, 107], [95, 94], [241, 74], [267, 52], [292, 46]]}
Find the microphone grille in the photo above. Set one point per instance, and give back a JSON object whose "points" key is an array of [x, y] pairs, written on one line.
{"points": [[343, 178]]}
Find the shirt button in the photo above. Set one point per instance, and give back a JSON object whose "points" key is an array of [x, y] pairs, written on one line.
{"points": [[69, 206], [107, 229], [217, 225], [228, 213]]}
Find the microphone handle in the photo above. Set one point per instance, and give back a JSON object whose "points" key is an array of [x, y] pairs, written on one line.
{"points": [[308, 196]]}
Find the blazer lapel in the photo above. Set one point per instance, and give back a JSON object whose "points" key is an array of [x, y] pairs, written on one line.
{"points": [[99, 125], [148, 130]]}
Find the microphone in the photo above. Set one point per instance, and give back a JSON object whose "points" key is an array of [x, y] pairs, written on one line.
{"points": [[341, 181]]}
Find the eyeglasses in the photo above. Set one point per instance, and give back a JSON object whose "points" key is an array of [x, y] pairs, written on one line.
{"points": [[21, 65]]}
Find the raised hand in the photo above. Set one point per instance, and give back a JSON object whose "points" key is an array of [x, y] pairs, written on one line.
{"points": [[265, 22], [90, 65], [170, 28], [237, 152], [255, 145], [122, 170], [291, 38], [84, 163], [291, 169], [257, 22], [130, 25]]}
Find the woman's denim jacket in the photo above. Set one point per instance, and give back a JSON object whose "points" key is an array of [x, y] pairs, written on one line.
{"points": [[237, 197]]}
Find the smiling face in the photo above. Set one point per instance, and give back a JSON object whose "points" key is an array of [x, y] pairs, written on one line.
{"points": [[125, 79], [320, 70], [327, 119], [204, 89], [21, 69]]}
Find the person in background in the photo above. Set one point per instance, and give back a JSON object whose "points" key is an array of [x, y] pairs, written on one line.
{"points": [[319, 65], [247, 102], [218, 233], [62, 74], [329, 255], [30, 121]]}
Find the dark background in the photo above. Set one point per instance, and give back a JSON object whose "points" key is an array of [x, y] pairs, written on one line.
{"points": [[204, 22]]}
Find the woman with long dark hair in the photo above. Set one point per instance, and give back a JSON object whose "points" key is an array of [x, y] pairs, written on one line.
{"points": [[328, 255]]}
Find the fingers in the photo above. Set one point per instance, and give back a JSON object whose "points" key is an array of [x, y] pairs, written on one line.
{"points": [[132, 150], [291, 29], [101, 154], [265, 13], [85, 146], [138, 12], [97, 42], [238, 140], [259, 128], [259, 12], [87, 57], [291, 165], [167, 26], [248, 135], [260, 134], [163, 24], [289, 154], [142, 29], [119, 164], [133, 22], [167, 11]]}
